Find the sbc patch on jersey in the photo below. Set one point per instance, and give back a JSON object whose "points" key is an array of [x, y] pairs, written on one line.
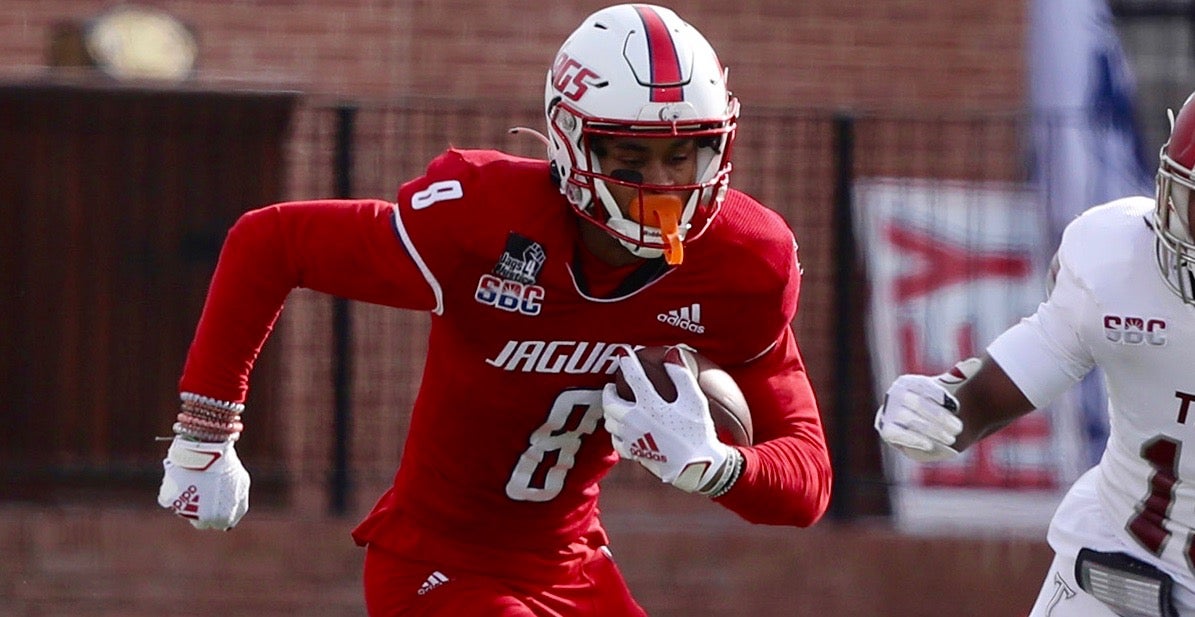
{"points": [[1130, 330], [510, 286]]}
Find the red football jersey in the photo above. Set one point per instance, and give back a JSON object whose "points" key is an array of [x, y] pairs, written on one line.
{"points": [[505, 451]]}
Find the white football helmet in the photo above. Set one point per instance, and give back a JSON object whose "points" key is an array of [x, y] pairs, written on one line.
{"points": [[1175, 247], [637, 70]]}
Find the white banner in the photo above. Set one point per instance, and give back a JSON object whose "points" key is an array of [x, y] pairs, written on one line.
{"points": [[953, 265]]}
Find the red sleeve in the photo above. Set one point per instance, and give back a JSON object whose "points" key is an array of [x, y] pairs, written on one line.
{"points": [[786, 476], [347, 248], [786, 473]]}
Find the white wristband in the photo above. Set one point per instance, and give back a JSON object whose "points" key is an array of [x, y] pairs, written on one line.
{"points": [[731, 470]]}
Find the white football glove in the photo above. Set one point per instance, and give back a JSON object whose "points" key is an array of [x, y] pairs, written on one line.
{"points": [[675, 441], [205, 483], [918, 418]]}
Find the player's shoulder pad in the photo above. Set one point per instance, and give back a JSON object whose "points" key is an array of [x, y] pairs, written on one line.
{"points": [[1107, 236], [470, 188], [456, 161], [1092, 235], [756, 239], [473, 169]]}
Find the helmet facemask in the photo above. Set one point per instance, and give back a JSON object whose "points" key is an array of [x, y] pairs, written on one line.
{"points": [[653, 227], [1175, 247]]}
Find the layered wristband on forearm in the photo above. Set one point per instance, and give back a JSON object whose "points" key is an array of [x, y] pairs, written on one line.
{"points": [[207, 419]]}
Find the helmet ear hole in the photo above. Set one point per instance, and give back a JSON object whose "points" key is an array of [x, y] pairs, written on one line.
{"points": [[554, 173]]}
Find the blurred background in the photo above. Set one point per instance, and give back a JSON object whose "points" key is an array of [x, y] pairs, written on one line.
{"points": [[926, 154]]}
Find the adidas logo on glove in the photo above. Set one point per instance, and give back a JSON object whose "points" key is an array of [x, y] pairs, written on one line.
{"points": [[645, 447], [187, 504]]}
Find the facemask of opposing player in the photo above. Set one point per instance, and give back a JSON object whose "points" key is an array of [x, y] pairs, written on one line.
{"points": [[1175, 246]]}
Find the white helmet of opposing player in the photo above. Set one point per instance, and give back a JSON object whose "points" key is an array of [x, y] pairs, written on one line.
{"points": [[636, 70], [1172, 209]]}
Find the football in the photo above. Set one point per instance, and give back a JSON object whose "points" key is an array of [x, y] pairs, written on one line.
{"points": [[728, 406]]}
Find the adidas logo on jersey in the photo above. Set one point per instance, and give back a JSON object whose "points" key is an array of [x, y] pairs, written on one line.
{"points": [[435, 579], [686, 318], [645, 447]]}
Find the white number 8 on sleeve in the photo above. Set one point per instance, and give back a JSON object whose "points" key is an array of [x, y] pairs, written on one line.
{"points": [[444, 190]]}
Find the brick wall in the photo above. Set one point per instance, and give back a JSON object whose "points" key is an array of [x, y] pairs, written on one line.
{"points": [[697, 560], [902, 53], [893, 55]]}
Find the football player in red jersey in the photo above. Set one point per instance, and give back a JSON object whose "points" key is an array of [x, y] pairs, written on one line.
{"points": [[540, 275]]}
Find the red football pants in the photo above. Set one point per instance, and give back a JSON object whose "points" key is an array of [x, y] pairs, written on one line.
{"points": [[397, 587]]}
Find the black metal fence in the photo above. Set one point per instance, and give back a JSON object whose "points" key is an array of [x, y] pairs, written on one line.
{"points": [[331, 410], [803, 163]]}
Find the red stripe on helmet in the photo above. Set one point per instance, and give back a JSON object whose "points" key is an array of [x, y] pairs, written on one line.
{"points": [[665, 65]]}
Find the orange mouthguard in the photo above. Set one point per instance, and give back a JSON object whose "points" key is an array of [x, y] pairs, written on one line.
{"points": [[663, 213]]}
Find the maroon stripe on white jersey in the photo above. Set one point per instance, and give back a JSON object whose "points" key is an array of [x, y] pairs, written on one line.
{"points": [[665, 65]]}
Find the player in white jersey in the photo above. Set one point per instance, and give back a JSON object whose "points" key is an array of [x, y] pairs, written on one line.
{"points": [[1123, 299]]}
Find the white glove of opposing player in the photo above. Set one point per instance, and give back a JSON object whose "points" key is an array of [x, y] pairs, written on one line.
{"points": [[918, 418], [675, 441], [205, 483]]}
